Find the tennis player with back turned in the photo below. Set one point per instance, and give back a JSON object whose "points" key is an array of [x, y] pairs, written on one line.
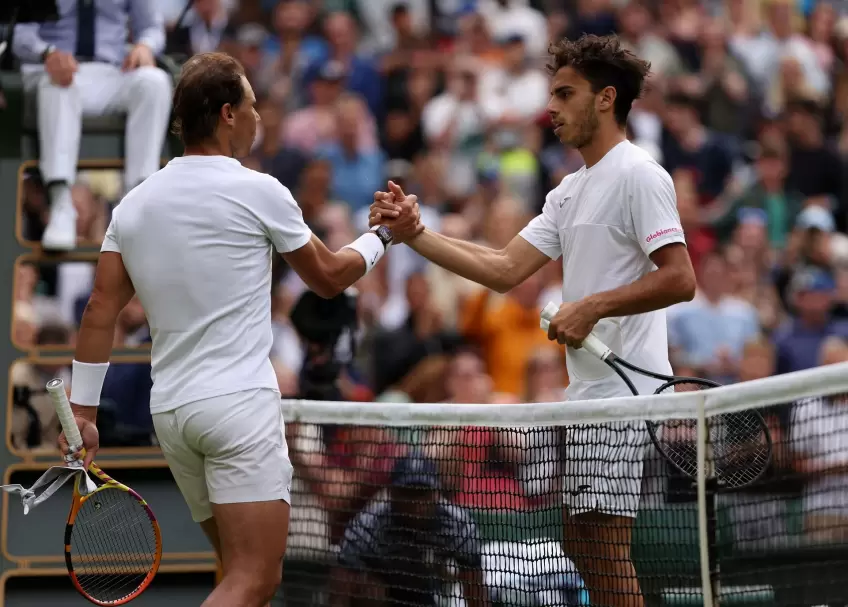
{"points": [[615, 225], [195, 242]]}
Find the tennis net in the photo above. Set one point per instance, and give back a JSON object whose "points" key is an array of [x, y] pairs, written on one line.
{"points": [[462, 505]]}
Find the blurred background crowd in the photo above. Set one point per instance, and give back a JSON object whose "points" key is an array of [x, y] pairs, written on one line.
{"points": [[746, 107]]}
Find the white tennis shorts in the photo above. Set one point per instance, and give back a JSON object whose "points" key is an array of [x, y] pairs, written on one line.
{"points": [[227, 449], [602, 468]]}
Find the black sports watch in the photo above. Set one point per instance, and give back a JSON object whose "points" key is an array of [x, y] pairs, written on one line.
{"points": [[384, 234], [50, 48]]}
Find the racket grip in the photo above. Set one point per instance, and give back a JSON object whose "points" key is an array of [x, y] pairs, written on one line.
{"points": [[548, 313], [591, 344], [56, 390], [595, 347]]}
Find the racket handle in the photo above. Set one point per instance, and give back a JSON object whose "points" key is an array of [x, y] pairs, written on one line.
{"points": [[56, 390], [591, 344], [548, 313]]}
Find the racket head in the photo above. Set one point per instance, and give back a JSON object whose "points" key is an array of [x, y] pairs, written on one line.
{"points": [[740, 441], [113, 544]]}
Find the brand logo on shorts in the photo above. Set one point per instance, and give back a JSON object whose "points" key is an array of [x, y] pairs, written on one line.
{"points": [[659, 233], [580, 489]]}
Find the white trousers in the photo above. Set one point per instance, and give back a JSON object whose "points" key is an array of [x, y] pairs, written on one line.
{"points": [[143, 94]]}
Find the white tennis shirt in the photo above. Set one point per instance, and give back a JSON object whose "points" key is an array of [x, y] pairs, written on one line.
{"points": [[604, 222], [197, 239]]}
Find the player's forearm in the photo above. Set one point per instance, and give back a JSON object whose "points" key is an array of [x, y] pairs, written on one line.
{"points": [[96, 334], [347, 267], [480, 264], [654, 291]]}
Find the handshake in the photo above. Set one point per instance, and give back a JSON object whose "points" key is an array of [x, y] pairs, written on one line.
{"points": [[398, 212]]}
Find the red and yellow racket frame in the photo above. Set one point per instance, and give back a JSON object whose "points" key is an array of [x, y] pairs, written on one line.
{"points": [[79, 500]]}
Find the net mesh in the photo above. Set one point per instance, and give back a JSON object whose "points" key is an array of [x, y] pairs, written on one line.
{"points": [[454, 505]]}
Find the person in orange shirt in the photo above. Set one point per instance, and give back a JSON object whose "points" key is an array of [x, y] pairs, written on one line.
{"points": [[506, 329]]}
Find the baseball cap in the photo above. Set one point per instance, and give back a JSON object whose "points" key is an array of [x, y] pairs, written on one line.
{"points": [[512, 38], [749, 215], [416, 470], [816, 217], [331, 71], [251, 35], [812, 280]]}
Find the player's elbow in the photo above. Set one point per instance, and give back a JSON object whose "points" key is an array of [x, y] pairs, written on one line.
{"points": [[685, 284], [327, 288], [502, 276]]}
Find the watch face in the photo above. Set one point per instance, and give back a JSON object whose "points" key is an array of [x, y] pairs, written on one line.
{"points": [[385, 234]]}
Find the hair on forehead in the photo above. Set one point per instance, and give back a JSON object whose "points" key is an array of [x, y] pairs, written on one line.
{"points": [[604, 63]]}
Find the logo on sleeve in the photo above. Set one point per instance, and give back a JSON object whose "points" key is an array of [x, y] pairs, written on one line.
{"points": [[660, 233]]}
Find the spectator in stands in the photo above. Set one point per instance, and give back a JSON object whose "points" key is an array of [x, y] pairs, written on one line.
{"points": [[423, 334], [34, 421], [80, 66], [317, 124], [688, 144], [202, 30], [799, 341], [506, 328], [343, 466], [400, 548], [709, 333], [814, 165], [356, 172], [820, 439], [91, 215], [454, 126], [288, 56], [479, 466], [514, 94], [768, 192], [284, 162], [639, 34], [815, 243], [504, 17], [361, 75]]}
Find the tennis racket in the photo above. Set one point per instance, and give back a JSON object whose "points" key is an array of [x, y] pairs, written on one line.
{"points": [[738, 446], [740, 442], [113, 545]]}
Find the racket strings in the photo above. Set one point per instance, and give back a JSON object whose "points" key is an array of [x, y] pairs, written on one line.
{"points": [[739, 449], [113, 545]]}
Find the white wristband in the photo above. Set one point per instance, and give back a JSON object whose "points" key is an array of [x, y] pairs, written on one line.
{"points": [[370, 247], [87, 382]]}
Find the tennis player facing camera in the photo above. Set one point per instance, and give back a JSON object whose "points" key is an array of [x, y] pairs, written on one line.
{"points": [[615, 225], [195, 241]]}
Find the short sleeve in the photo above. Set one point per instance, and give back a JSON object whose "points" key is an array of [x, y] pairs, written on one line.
{"points": [[460, 534], [469, 552], [543, 231], [281, 218], [110, 240], [653, 207], [803, 427], [358, 541]]}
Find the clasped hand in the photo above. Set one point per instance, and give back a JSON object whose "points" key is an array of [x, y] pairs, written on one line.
{"points": [[573, 323], [397, 211]]}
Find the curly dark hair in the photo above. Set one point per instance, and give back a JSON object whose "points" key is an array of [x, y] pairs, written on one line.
{"points": [[603, 62], [207, 82]]}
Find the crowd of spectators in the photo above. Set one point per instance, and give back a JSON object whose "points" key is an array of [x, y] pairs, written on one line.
{"points": [[746, 107]]}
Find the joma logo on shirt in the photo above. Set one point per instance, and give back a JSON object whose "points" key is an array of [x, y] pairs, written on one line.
{"points": [[659, 233]]}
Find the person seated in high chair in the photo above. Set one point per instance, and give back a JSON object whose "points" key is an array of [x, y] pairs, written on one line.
{"points": [[81, 66]]}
